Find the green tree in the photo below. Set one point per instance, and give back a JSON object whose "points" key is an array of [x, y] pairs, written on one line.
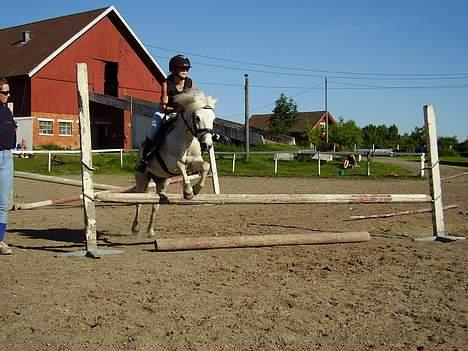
{"points": [[347, 134], [371, 136], [284, 115], [393, 137], [413, 142], [462, 148], [447, 146], [313, 135]]}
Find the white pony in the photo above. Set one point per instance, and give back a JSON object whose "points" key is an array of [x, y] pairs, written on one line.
{"points": [[180, 151]]}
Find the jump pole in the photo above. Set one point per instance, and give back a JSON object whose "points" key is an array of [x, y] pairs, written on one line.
{"points": [[87, 169], [259, 241], [224, 199], [435, 186], [60, 180], [78, 197]]}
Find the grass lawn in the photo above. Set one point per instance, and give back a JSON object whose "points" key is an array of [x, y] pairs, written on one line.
{"points": [[260, 165]]}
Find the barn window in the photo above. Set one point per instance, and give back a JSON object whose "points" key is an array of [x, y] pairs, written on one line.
{"points": [[322, 125], [111, 81], [65, 128], [46, 127]]}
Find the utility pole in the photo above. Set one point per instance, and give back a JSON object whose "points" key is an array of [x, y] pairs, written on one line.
{"points": [[246, 110], [326, 107]]}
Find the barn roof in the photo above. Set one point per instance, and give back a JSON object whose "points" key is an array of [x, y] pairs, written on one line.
{"points": [[313, 118], [51, 36]]}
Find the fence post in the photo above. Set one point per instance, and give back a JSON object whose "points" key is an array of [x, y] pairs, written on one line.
{"points": [[233, 163], [121, 158], [276, 163], [423, 160], [49, 165], [318, 162], [369, 159]]}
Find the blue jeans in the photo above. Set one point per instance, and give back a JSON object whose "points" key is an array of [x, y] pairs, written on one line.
{"points": [[156, 123], [6, 183]]}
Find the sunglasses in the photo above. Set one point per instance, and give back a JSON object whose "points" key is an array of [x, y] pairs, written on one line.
{"points": [[5, 92]]}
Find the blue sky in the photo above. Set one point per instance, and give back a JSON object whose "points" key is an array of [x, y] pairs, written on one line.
{"points": [[400, 38]]}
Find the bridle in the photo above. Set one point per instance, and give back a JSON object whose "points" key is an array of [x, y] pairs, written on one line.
{"points": [[197, 132]]}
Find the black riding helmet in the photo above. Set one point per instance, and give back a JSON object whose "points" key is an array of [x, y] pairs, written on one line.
{"points": [[179, 61]]}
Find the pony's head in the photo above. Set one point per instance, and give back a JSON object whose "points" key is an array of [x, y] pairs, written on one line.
{"points": [[201, 109]]}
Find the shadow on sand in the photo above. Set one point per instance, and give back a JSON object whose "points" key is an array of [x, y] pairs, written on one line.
{"points": [[69, 239]]}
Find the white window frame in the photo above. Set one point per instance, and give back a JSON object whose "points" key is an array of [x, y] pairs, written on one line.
{"points": [[322, 125], [46, 120], [70, 123]]}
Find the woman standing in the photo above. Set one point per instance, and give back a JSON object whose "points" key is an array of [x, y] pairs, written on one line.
{"points": [[7, 143]]}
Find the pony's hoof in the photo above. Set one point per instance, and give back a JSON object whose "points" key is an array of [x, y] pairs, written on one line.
{"points": [[196, 189], [188, 196], [135, 230], [150, 235]]}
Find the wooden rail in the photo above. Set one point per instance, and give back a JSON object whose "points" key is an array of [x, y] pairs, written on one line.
{"points": [[177, 199], [259, 241]]}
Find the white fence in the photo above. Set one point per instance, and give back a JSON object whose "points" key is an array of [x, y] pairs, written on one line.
{"points": [[320, 156], [73, 152], [277, 156]]}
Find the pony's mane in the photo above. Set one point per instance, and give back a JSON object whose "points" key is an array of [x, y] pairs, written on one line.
{"points": [[195, 100]]}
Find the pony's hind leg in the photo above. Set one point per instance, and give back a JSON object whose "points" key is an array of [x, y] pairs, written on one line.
{"points": [[142, 181], [150, 230], [136, 221]]}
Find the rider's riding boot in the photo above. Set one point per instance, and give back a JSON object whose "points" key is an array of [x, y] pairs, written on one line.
{"points": [[145, 155]]}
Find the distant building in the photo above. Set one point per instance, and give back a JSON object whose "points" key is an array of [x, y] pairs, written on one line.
{"points": [[39, 60], [316, 119]]}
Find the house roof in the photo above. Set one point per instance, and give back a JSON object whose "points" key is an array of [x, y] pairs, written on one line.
{"points": [[50, 37], [313, 118]]}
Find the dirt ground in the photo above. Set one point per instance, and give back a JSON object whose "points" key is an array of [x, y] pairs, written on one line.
{"points": [[391, 293]]}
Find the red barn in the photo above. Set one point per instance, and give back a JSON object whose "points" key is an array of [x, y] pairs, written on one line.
{"points": [[39, 60]]}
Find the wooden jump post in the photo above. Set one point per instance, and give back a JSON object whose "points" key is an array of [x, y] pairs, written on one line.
{"points": [[435, 186], [87, 169]]}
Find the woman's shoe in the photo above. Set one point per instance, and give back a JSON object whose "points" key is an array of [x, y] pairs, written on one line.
{"points": [[4, 249]]}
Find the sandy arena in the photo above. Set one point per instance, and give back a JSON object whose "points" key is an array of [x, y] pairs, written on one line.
{"points": [[390, 293]]}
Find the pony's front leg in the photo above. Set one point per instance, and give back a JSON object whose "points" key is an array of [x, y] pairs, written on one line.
{"points": [[188, 191], [205, 168], [161, 187]]}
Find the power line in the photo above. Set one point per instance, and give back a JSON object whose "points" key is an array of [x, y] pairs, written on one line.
{"points": [[350, 86], [318, 86], [435, 75], [365, 86], [316, 75]]}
